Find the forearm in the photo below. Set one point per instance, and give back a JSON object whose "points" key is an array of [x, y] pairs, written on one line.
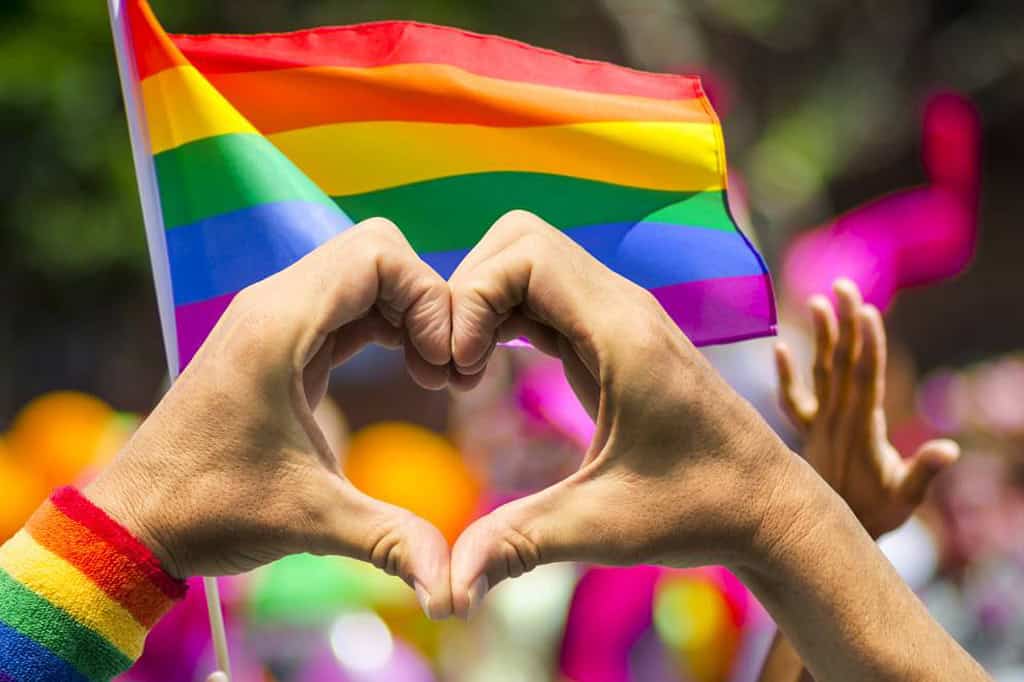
{"points": [[78, 594], [838, 600]]}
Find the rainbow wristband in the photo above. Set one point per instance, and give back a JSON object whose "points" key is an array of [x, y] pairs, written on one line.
{"points": [[78, 594]]}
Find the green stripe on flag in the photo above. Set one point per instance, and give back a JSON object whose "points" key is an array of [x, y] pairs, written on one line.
{"points": [[227, 173], [454, 213]]}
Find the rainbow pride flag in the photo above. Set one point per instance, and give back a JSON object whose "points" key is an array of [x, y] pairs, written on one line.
{"points": [[254, 149]]}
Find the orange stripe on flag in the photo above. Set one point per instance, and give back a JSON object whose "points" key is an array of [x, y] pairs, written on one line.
{"points": [[437, 93]]}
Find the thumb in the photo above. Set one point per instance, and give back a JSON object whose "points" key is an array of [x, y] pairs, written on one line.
{"points": [[396, 541], [929, 461], [513, 540]]}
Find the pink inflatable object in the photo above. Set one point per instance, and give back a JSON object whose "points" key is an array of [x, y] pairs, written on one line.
{"points": [[610, 611], [545, 396], [908, 238], [612, 608], [179, 648]]}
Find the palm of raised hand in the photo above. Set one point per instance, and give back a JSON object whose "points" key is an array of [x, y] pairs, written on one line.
{"points": [[843, 422]]}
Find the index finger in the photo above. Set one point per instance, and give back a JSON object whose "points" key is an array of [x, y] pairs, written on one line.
{"points": [[369, 265], [523, 261]]}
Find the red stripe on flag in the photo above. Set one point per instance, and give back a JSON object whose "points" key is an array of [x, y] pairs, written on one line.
{"points": [[153, 50], [387, 43]]}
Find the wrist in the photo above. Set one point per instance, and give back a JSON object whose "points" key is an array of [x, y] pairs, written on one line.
{"points": [[796, 508], [123, 498]]}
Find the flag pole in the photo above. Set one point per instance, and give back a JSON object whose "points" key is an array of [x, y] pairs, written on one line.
{"points": [[152, 217]]}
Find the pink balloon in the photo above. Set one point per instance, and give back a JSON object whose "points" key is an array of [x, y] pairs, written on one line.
{"points": [[908, 238]]}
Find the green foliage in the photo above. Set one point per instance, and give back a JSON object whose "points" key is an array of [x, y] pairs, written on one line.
{"points": [[72, 205]]}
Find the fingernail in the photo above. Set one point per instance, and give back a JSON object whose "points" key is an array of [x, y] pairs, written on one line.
{"points": [[218, 676], [424, 598], [476, 596]]}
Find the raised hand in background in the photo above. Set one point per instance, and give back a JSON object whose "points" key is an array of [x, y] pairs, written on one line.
{"points": [[842, 419], [844, 428]]}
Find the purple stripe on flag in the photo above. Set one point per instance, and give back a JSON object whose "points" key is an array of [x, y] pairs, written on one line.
{"points": [[194, 322], [709, 311], [721, 310]]}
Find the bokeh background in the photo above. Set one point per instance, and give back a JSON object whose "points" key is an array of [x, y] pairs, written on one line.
{"points": [[863, 109]]}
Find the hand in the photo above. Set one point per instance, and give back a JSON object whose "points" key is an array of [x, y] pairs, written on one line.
{"points": [[681, 469], [843, 421], [231, 471]]}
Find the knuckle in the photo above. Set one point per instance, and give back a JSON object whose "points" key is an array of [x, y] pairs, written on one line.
{"points": [[384, 552], [519, 553], [645, 301], [243, 301], [382, 228], [519, 222], [534, 243]]}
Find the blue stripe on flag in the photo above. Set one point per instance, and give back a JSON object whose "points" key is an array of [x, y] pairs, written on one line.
{"points": [[650, 254], [224, 254]]}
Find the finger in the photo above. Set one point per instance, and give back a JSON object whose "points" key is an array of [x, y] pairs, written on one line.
{"points": [[538, 268], [540, 336], [371, 263], [371, 329], [516, 326], [930, 460], [796, 402], [426, 375], [218, 676], [513, 540], [339, 346], [848, 344], [481, 363], [869, 373], [823, 318], [392, 539]]}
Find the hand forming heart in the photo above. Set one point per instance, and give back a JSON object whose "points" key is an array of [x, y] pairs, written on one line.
{"points": [[235, 473]]}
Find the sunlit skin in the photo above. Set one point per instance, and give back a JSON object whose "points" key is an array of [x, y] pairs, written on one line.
{"points": [[843, 425], [673, 452], [231, 470]]}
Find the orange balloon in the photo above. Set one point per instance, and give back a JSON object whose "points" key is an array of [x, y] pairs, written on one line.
{"points": [[691, 615], [414, 468], [63, 435], [20, 493]]}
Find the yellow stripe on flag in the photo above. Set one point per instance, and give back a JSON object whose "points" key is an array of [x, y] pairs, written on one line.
{"points": [[353, 158], [64, 586], [181, 106]]}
